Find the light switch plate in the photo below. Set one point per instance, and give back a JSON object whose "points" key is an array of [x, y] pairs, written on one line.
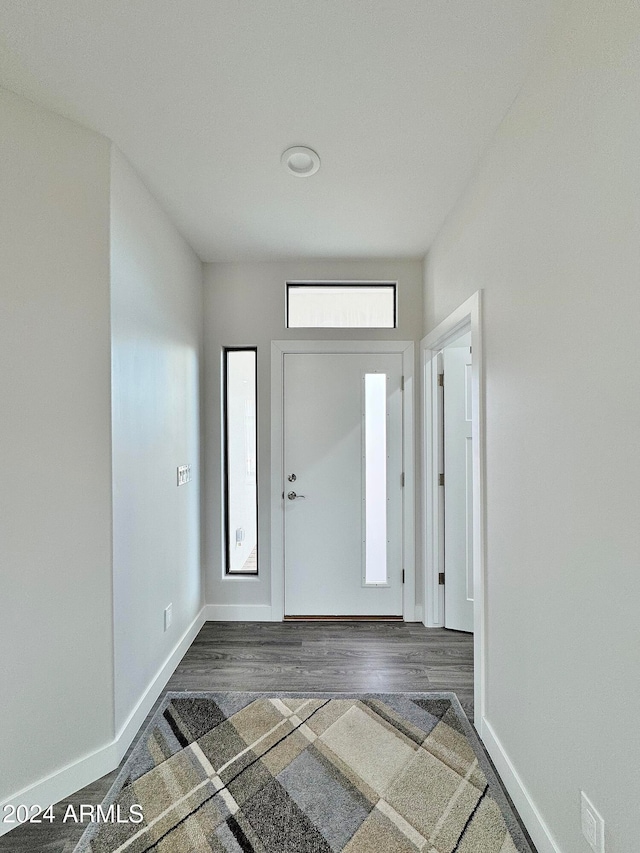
{"points": [[168, 614], [184, 474]]}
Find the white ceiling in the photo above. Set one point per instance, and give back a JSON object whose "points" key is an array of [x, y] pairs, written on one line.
{"points": [[399, 98]]}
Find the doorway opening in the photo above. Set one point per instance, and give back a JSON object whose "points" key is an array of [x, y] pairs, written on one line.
{"points": [[453, 522], [456, 482]]}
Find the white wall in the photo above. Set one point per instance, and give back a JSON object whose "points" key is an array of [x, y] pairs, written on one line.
{"points": [[550, 229], [156, 315], [55, 490], [245, 305]]}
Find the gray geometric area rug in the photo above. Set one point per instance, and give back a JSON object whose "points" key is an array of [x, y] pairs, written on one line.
{"points": [[306, 773]]}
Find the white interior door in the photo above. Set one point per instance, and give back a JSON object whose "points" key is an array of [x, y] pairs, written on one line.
{"points": [[342, 484], [458, 490]]}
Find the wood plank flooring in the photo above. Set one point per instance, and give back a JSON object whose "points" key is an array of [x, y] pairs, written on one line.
{"points": [[359, 656]]}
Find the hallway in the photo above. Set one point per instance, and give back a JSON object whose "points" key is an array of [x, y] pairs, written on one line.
{"points": [[270, 656]]}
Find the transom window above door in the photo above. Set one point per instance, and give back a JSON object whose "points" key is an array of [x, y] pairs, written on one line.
{"points": [[341, 305]]}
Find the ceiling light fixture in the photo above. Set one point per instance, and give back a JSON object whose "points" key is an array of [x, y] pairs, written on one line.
{"points": [[300, 161]]}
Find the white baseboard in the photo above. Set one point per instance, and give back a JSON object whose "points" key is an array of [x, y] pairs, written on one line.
{"points": [[71, 778], [527, 809], [237, 612], [136, 718], [62, 783], [258, 613]]}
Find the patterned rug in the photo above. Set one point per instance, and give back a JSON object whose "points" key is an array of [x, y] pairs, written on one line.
{"points": [[307, 773]]}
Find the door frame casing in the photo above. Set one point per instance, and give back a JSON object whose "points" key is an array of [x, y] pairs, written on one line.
{"points": [[278, 351], [467, 317]]}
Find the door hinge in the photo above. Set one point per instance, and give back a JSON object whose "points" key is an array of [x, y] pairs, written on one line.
{"points": [[441, 479], [403, 576], [402, 480], [440, 578], [402, 383], [441, 380]]}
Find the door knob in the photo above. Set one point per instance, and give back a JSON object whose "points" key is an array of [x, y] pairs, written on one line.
{"points": [[292, 478], [292, 496]]}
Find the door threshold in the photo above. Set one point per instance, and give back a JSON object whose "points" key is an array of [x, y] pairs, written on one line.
{"points": [[343, 619]]}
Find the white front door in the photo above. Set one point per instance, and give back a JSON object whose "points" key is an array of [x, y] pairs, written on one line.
{"points": [[458, 490], [342, 484]]}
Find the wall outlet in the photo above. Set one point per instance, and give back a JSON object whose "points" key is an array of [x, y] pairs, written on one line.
{"points": [[184, 474], [592, 823], [168, 613]]}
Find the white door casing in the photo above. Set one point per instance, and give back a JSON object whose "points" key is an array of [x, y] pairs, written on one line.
{"points": [[458, 489], [327, 539], [278, 481], [467, 316]]}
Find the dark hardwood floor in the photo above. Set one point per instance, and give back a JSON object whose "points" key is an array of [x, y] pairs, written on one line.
{"points": [[296, 656]]}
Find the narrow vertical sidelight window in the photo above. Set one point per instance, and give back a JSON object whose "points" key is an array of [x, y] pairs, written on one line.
{"points": [[375, 477], [240, 460]]}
